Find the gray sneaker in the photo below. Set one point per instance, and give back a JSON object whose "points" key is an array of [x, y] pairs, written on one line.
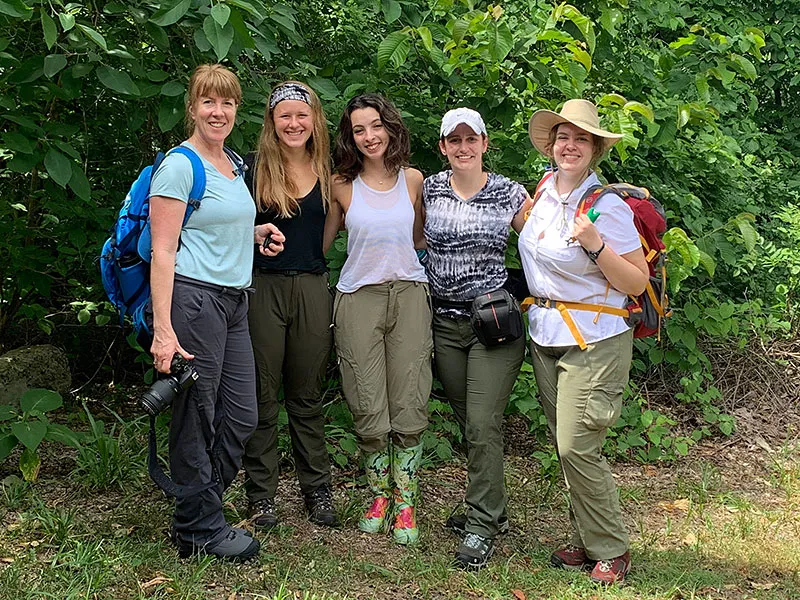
{"points": [[236, 547]]}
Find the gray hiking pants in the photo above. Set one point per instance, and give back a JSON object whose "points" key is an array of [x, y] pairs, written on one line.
{"points": [[214, 418]]}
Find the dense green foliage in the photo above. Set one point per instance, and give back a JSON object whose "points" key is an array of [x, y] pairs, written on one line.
{"points": [[705, 93]]}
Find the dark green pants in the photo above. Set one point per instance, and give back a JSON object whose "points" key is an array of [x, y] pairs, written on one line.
{"points": [[290, 318], [581, 393], [477, 382]]}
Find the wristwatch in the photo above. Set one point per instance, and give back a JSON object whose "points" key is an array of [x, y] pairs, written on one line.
{"points": [[593, 255]]}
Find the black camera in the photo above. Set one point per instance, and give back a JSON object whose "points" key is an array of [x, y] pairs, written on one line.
{"points": [[164, 391]]}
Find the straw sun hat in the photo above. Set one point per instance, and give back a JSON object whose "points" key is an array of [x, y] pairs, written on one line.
{"points": [[580, 113]]}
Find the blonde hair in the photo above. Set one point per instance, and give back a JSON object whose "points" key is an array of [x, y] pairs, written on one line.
{"points": [[274, 188], [211, 79]]}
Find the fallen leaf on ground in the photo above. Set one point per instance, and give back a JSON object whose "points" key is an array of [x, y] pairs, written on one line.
{"points": [[518, 594], [155, 581], [650, 470], [690, 539], [233, 596], [762, 586], [7, 559], [682, 505]]}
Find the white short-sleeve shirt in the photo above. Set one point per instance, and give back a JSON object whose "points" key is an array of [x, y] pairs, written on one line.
{"points": [[560, 270]]}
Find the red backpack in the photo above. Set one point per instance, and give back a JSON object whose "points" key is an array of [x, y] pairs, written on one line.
{"points": [[646, 312]]}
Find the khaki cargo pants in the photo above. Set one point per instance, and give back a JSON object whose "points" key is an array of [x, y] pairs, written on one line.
{"points": [[581, 393], [383, 340]]}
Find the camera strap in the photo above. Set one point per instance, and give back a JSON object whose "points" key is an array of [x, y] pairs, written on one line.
{"points": [[163, 481]]}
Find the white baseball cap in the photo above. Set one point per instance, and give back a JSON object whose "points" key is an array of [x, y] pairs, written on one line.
{"points": [[457, 116]]}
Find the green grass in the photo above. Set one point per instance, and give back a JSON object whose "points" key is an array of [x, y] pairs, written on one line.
{"points": [[693, 536]]}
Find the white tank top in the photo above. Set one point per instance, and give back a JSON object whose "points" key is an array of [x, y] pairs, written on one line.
{"points": [[380, 237]]}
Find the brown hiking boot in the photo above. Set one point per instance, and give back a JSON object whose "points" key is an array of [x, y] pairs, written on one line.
{"points": [[571, 558], [612, 570]]}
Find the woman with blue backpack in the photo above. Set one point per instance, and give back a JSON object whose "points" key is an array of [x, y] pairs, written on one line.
{"points": [[199, 275], [581, 266], [290, 313]]}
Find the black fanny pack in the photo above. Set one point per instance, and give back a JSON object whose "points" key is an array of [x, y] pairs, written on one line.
{"points": [[496, 318]]}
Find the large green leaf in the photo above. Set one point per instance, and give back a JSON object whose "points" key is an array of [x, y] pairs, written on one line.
{"points": [[18, 142], [744, 222], [582, 56], [53, 63], [93, 35], [40, 400], [171, 15], [220, 38], [30, 433], [67, 21], [640, 108], [79, 183], [326, 89], [425, 36], [48, 29], [170, 113], [119, 81], [8, 442], [583, 23], [250, 7], [58, 167], [745, 66], [7, 412], [221, 13], [391, 10], [29, 464], [172, 88], [15, 8], [501, 41], [394, 48]]}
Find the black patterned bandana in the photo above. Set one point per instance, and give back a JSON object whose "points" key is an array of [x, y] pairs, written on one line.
{"points": [[289, 91]]}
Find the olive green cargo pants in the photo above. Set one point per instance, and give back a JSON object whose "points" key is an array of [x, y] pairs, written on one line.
{"points": [[581, 393], [383, 340], [477, 382], [290, 327]]}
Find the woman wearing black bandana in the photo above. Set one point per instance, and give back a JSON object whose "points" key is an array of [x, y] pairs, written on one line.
{"points": [[290, 312]]}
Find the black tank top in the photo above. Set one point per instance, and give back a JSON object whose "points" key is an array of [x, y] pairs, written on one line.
{"points": [[302, 250]]}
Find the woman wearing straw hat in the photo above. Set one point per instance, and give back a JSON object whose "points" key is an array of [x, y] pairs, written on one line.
{"points": [[581, 358]]}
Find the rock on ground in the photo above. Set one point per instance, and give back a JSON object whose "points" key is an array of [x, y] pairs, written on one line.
{"points": [[33, 367]]}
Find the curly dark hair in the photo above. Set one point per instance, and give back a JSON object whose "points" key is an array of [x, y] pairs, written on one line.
{"points": [[348, 160]]}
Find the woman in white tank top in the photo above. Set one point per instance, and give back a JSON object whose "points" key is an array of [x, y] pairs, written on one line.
{"points": [[382, 314]]}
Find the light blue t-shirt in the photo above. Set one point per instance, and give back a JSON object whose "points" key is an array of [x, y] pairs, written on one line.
{"points": [[217, 241]]}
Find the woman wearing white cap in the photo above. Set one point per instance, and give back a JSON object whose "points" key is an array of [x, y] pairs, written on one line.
{"points": [[581, 358], [468, 213]]}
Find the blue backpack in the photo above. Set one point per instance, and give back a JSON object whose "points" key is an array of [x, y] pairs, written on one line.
{"points": [[125, 259]]}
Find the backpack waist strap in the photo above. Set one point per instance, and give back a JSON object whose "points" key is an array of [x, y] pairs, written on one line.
{"points": [[564, 308]]}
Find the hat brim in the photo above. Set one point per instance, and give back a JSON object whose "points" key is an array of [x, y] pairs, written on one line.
{"points": [[543, 121]]}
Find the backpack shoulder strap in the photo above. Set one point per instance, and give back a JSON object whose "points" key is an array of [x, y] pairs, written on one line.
{"points": [[198, 179], [237, 160], [590, 198], [538, 192]]}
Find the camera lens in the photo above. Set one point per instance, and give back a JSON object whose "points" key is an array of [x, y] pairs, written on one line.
{"points": [[159, 396]]}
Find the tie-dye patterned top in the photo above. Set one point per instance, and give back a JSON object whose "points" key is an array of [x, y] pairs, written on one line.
{"points": [[467, 238]]}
